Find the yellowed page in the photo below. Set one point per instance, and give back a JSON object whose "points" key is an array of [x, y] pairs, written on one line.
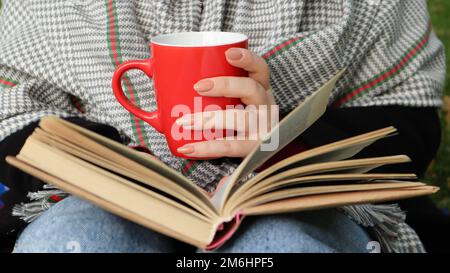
{"points": [[118, 191], [360, 165], [117, 152], [352, 166], [344, 178], [322, 201], [335, 151], [313, 190], [140, 174]]}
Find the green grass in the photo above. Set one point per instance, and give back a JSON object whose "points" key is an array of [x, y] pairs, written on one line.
{"points": [[439, 172]]}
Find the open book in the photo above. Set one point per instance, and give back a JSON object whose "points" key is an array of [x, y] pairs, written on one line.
{"points": [[139, 187]]}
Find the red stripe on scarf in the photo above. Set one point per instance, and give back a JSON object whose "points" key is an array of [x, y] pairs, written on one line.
{"points": [[280, 47], [7, 83], [116, 59], [384, 76]]}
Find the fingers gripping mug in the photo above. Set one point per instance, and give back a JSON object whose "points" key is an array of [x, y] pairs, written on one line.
{"points": [[178, 61]]}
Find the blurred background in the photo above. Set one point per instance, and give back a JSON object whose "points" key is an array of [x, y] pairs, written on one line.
{"points": [[439, 171]]}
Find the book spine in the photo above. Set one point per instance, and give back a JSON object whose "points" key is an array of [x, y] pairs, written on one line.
{"points": [[225, 231]]}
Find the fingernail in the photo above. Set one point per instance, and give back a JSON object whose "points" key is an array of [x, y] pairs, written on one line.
{"points": [[185, 120], [186, 149], [234, 54], [204, 85]]}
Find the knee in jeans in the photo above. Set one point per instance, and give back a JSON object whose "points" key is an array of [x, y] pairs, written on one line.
{"points": [[74, 225]]}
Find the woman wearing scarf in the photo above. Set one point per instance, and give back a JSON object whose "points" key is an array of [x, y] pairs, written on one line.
{"points": [[57, 58]]}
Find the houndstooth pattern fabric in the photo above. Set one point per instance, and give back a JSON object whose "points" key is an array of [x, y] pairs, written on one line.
{"points": [[51, 51], [407, 240]]}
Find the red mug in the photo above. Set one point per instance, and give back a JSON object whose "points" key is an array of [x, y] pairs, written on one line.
{"points": [[178, 61]]}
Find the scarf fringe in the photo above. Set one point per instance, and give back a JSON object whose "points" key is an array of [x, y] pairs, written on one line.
{"points": [[29, 212], [385, 221]]}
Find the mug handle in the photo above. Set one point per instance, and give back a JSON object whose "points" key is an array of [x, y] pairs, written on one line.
{"points": [[145, 66]]}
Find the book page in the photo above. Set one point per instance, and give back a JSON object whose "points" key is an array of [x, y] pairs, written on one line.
{"points": [[296, 122], [138, 173], [314, 190], [335, 151], [340, 178], [350, 166], [108, 148], [330, 200], [359, 165]]}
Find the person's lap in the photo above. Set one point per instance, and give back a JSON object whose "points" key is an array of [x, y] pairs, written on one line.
{"points": [[77, 226]]}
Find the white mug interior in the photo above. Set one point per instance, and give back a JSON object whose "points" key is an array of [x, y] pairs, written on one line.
{"points": [[198, 39]]}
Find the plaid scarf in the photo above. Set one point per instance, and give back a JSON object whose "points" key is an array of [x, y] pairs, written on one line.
{"points": [[58, 57]]}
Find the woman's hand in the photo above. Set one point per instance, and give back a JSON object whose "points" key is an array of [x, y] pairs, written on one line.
{"points": [[253, 91]]}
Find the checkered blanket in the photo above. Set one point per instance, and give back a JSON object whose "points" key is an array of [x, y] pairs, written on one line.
{"points": [[58, 57]]}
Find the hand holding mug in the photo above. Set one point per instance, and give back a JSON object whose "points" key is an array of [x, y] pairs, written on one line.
{"points": [[252, 90], [203, 77]]}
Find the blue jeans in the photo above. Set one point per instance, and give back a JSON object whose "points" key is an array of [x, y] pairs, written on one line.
{"points": [[74, 225]]}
